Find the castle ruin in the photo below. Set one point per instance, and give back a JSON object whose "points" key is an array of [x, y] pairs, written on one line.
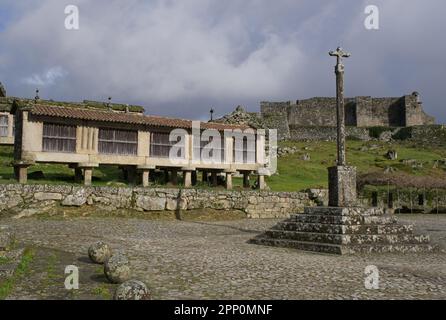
{"points": [[315, 118]]}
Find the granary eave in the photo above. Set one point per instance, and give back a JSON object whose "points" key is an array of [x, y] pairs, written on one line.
{"points": [[39, 109]]}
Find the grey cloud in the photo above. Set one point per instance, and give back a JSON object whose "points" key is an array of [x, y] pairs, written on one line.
{"points": [[182, 57]]}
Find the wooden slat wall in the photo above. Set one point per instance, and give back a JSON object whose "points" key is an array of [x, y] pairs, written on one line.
{"points": [[120, 142], [59, 138], [249, 153], [198, 150], [3, 125], [160, 145]]}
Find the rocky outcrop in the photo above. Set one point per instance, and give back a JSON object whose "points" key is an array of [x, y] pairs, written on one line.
{"points": [[242, 117]]}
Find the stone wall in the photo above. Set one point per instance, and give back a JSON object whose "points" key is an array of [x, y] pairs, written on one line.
{"points": [[27, 200], [409, 200], [275, 116], [432, 135], [387, 112], [326, 133], [360, 112]]}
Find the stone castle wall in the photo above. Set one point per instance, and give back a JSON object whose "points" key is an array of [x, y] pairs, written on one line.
{"points": [[361, 112], [27, 200], [298, 133]]}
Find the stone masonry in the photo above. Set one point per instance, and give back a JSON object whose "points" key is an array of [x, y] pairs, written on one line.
{"points": [[315, 118], [345, 231], [361, 112], [27, 200]]}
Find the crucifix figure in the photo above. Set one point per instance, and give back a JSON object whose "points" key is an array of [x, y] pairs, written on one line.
{"points": [[339, 70]]}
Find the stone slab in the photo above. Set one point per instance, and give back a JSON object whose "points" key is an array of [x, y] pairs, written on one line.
{"points": [[342, 186]]}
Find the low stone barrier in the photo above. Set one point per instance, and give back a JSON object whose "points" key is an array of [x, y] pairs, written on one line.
{"points": [[27, 200]]}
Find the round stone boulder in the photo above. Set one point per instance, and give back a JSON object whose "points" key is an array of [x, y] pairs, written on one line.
{"points": [[99, 252], [132, 290], [117, 268]]}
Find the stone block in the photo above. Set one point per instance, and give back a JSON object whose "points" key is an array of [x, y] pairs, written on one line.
{"points": [[151, 203], [342, 186], [176, 204], [42, 196]]}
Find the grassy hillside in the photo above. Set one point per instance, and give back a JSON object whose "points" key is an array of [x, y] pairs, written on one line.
{"points": [[293, 172], [296, 174]]}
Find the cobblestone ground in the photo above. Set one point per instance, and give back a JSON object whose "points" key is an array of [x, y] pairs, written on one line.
{"points": [[212, 260]]}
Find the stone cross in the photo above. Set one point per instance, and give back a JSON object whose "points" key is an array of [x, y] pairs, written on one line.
{"points": [[339, 71]]}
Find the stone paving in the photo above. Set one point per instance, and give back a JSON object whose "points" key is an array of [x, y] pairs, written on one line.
{"points": [[212, 260]]}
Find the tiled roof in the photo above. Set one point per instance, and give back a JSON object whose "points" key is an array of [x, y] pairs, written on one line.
{"points": [[121, 117]]}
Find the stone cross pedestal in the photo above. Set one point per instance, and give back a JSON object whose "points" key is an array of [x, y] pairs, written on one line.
{"points": [[341, 179], [342, 186]]}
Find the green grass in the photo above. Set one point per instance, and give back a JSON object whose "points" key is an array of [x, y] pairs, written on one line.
{"points": [[4, 260], [294, 173], [21, 271], [103, 292]]}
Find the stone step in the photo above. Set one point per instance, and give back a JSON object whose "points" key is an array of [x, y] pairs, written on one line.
{"points": [[350, 211], [341, 249], [305, 246], [344, 229], [348, 239], [389, 248], [344, 220]]}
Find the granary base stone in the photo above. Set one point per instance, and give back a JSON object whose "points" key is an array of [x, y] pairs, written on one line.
{"points": [[345, 231]]}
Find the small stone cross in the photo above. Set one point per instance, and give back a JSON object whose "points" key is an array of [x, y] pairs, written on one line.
{"points": [[339, 54]]}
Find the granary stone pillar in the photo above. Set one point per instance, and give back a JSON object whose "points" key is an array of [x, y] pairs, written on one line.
{"points": [[22, 174], [204, 176], [261, 185], [246, 183], [229, 185], [194, 177], [174, 177], [261, 173], [145, 178], [145, 174], [21, 171], [187, 179], [166, 176], [214, 178], [187, 176], [131, 174], [88, 172], [78, 175], [88, 176]]}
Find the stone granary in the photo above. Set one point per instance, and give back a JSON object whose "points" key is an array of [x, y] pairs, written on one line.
{"points": [[89, 134], [6, 119]]}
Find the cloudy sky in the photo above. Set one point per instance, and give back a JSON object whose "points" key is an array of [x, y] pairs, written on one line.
{"points": [[180, 57]]}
